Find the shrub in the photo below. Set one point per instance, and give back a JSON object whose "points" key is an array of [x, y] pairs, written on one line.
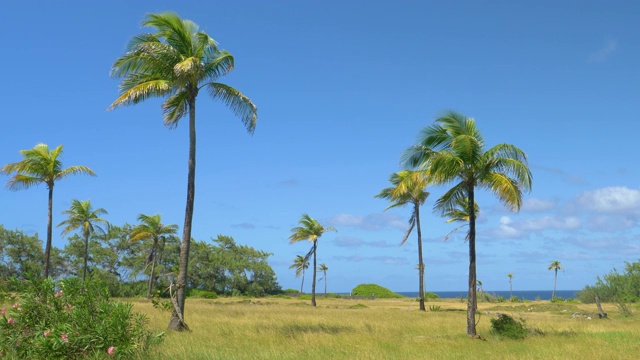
{"points": [[291, 291], [373, 289], [514, 299], [430, 295], [557, 299], [435, 308], [202, 294], [358, 306], [507, 327], [71, 320]]}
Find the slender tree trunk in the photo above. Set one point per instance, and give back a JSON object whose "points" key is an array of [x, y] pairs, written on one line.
{"points": [[510, 290], [86, 256], [420, 260], [302, 285], [47, 249], [153, 273], [555, 282], [175, 323], [472, 301], [325, 284], [313, 284]]}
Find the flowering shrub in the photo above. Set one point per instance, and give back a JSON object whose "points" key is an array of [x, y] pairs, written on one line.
{"points": [[71, 320]]}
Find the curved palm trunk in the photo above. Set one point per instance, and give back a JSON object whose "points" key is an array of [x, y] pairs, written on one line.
{"points": [[555, 282], [176, 323], [420, 260], [471, 300], [151, 276], [86, 256], [47, 249], [510, 289], [313, 284], [302, 285], [325, 284]]}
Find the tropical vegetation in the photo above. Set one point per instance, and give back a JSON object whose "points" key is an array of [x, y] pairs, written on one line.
{"points": [[555, 265], [300, 264], [176, 62]]}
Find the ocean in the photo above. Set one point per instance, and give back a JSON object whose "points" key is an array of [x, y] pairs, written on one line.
{"points": [[526, 294]]}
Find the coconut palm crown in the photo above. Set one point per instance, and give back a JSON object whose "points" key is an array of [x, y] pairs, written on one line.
{"points": [[453, 152]]}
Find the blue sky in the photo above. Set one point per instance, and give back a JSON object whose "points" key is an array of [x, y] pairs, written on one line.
{"points": [[343, 87]]}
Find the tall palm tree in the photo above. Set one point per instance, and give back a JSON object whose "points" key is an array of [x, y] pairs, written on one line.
{"points": [[323, 267], [310, 229], [453, 151], [300, 264], [409, 188], [176, 62], [152, 228], [510, 275], [82, 216], [41, 165], [555, 265]]}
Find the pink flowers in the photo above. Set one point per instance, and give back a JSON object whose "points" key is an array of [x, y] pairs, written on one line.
{"points": [[111, 350], [3, 311], [10, 321], [47, 333], [15, 305], [58, 293], [64, 338]]}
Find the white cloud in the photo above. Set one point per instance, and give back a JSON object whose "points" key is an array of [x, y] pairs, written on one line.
{"points": [[387, 260], [621, 200], [537, 205], [368, 222], [548, 222], [602, 54], [347, 241]]}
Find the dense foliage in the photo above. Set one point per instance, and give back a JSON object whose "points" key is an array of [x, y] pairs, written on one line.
{"points": [[507, 327], [223, 267], [70, 319], [373, 289], [615, 286]]}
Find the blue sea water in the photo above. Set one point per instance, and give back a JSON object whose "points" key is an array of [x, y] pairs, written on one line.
{"points": [[523, 295]]}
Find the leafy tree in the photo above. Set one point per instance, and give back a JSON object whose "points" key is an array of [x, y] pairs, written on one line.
{"points": [[300, 264], [510, 275], [176, 62], [615, 286], [82, 216], [151, 228], [41, 165], [408, 188], [453, 151], [310, 229], [555, 265], [324, 270]]}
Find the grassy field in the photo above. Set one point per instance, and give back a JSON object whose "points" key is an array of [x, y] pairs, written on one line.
{"points": [[273, 328]]}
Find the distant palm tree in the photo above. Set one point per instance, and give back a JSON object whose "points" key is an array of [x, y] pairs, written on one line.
{"points": [[324, 270], [177, 61], [510, 275], [310, 229], [41, 165], [452, 151], [555, 265], [82, 216], [151, 228], [409, 188], [300, 264]]}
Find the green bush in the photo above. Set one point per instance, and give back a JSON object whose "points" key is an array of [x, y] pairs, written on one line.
{"points": [[435, 308], [358, 306], [375, 290], [71, 320], [202, 294], [291, 291], [515, 299], [430, 295], [507, 327], [557, 299]]}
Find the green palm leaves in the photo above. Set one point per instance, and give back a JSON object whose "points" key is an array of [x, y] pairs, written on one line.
{"points": [[41, 165], [310, 229], [82, 216], [300, 264], [452, 152], [555, 265]]}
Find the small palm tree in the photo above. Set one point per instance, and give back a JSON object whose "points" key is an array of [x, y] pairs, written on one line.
{"points": [[82, 216], [453, 151], [151, 228], [310, 229], [176, 62], [409, 188], [41, 165], [555, 265], [300, 264], [510, 275], [324, 270]]}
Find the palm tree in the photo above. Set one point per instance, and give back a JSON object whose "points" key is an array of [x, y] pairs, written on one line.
{"points": [[176, 62], [510, 275], [300, 264], [82, 216], [323, 267], [452, 151], [408, 188], [41, 165], [310, 229], [152, 228], [555, 265]]}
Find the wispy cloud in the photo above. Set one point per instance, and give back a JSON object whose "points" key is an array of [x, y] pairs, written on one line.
{"points": [[387, 260], [348, 241], [368, 222], [617, 199], [537, 205], [243, 226], [603, 54]]}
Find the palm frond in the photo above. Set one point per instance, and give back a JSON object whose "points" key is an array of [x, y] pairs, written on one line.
{"points": [[241, 105], [175, 108]]}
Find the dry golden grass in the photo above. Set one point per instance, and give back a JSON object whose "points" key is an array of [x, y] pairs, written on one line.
{"points": [[272, 328]]}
